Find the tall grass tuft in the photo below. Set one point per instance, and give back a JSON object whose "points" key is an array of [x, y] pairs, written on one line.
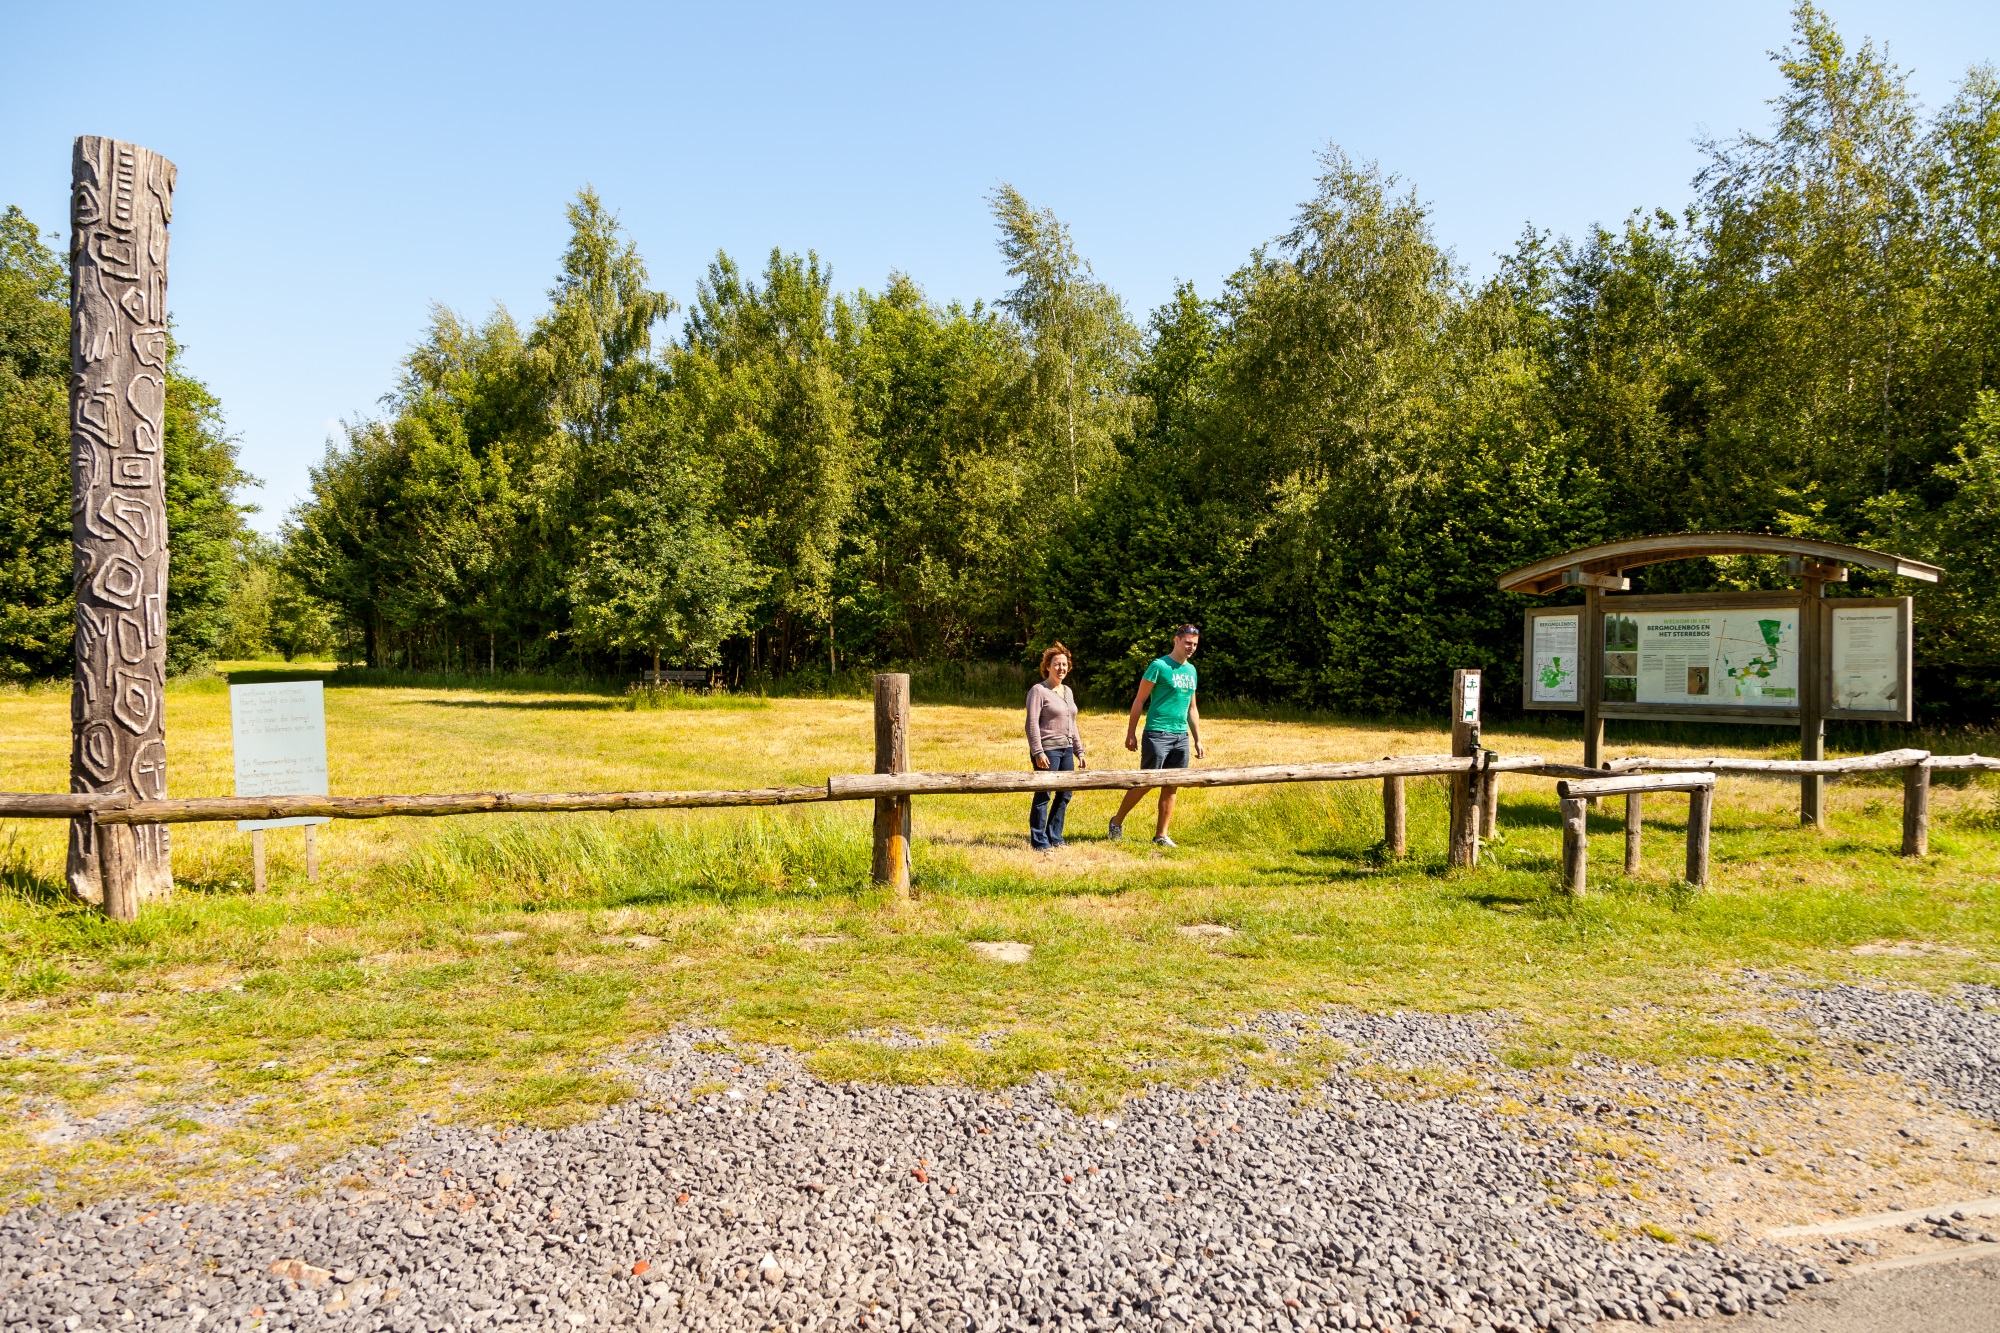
{"points": [[572, 862], [644, 698], [997, 684]]}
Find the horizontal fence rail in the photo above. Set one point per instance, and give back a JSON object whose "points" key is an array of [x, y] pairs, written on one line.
{"points": [[1585, 788], [111, 809], [1862, 763], [865, 785], [215, 809], [1475, 777]]}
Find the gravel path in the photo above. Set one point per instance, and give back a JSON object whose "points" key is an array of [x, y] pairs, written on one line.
{"points": [[741, 1193], [1951, 1043]]}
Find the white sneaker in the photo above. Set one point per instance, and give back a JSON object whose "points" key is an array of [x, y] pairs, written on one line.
{"points": [[1117, 831], [1164, 841]]}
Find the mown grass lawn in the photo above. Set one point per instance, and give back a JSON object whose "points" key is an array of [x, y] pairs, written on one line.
{"points": [[491, 968]]}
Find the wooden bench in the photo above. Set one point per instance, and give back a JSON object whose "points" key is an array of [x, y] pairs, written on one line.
{"points": [[694, 678], [1577, 794]]}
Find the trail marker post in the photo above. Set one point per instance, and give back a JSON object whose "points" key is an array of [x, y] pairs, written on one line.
{"points": [[891, 864], [1465, 787]]}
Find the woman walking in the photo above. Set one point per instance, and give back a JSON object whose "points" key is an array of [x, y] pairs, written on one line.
{"points": [[1054, 743]]}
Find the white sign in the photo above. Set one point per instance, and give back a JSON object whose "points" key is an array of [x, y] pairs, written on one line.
{"points": [[1868, 659], [1468, 704], [1726, 656], [280, 736], [1554, 666]]}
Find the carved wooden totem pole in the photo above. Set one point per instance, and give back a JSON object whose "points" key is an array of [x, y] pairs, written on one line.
{"points": [[121, 201]]}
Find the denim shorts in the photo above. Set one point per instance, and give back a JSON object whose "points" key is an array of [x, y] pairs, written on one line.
{"points": [[1163, 749]]}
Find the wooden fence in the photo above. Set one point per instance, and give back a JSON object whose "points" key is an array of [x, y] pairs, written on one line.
{"points": [[1474, 778]]}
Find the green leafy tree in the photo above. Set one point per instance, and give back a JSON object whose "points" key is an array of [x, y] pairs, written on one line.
{"points": [[759, 372], [1082, 341], [659, 575], [35, 593], [204, 518]]}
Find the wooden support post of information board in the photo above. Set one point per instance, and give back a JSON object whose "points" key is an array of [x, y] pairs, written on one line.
{"points": [[892, 755], [1464, 846]]}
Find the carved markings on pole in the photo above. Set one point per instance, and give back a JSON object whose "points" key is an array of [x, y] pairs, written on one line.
{"points": [[120, 208]]}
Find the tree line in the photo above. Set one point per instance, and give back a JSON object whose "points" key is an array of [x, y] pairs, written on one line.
{"points": [[1324, 462]]}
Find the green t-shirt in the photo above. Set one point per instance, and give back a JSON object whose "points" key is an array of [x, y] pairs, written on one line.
{"points": [[1173, 691]]}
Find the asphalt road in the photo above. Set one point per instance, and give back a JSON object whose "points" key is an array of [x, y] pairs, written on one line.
{"points": [[1960, 1297]]}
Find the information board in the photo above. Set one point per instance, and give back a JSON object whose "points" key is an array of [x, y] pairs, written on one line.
{"points": [[1868, 666], [279, 732], [1734, 657], [1553, 658]]}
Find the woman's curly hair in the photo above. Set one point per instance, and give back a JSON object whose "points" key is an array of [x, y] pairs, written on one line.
{"points": [[1052, 652]]}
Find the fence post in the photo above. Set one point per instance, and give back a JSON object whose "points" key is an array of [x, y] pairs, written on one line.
{"points": [[1633, 814], [117, 869], [1575, 844], [1464, 848], [312, 855], [1489, 803], [892, 755], [1395, 817], [1701, 805], [1917, 809]]}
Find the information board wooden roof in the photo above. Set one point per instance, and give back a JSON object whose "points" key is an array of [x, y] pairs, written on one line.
{"points": [[1614, 558]]}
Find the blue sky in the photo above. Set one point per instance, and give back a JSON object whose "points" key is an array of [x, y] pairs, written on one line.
{"points": [[342, 167]]}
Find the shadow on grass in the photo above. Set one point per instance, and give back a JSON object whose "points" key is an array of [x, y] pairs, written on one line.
{"points": [[571, 705], [212, 886], [21, 881], [274, 675], [1346, 870]]}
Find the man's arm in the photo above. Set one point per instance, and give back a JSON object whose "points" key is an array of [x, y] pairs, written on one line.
{"points": [[1138, 711], [1194, 727]]}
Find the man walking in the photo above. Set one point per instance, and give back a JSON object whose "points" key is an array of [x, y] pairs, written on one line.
{"points": [[1166, 696]]}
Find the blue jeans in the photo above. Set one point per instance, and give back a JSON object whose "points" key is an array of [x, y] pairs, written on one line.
{"points": [[1045, 817]]}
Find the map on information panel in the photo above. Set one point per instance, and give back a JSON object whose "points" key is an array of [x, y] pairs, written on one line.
{"points": [[1742, 658]]}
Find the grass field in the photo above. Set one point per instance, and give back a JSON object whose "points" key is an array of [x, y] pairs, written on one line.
{"points": [[491, 968]]}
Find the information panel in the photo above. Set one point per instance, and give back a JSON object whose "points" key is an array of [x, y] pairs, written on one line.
{"points": [[1553, 659], [280, 737], [1869, 661], [1725, 656]]}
